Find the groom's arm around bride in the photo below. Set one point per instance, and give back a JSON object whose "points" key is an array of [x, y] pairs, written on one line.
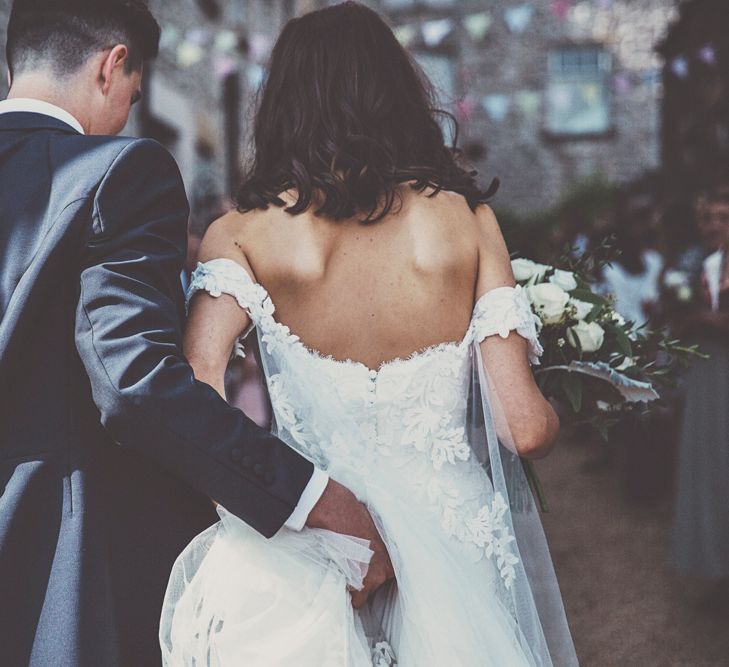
{"points": [[92, 241]]}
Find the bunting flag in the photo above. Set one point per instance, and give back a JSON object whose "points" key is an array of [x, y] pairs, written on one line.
{"points": [[189, 54], [255, 75], [528, 101], [198, 36], [707, 54], [518, 17], [405, 34], [223, 66], [464, 108], [560, 8], [680, 66], [170, 37], [622, 83], [496, 106], [434, 32], [477, 25], [226, 41], [259, 46]]}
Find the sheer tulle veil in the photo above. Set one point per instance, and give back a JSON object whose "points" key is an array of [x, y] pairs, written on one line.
{"points": [[518, 578], [533, 598]]}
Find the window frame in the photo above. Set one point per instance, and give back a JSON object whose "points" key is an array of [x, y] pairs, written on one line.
{"points": [[600, 74]]}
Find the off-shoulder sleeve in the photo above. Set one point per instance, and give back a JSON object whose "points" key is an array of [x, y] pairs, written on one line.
{"points": [[503, 310], [225, 276]]}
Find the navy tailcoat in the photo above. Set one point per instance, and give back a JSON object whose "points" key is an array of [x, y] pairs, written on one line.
{"points": [[109, 448]]}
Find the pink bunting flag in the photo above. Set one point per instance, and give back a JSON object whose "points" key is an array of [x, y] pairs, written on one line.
{"points": [[223, 66], [259, 46], [560, 8], [464, 108], [622, 83], [707, 54]]}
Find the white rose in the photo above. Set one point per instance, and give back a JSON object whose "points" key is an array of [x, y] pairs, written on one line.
{"points": [[525, 270], [549, 301], [684, 293], [674, 279], [590, 336], [582, 308], [564, 279], [628, 362], [618, 318]]}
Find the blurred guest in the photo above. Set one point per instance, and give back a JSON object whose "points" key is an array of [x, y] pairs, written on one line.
{"points": [[701, 520], [634, 278]]}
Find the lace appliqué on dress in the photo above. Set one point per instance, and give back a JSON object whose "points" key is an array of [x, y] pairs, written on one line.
{"points": [[507, 309], [383, 655], [431, 410]]}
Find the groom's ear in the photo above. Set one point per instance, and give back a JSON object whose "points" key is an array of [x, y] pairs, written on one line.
{"points": [[114, 62]]}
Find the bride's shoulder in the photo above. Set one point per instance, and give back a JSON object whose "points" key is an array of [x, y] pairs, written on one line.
{"points": [[448, 205], [232, 235]]}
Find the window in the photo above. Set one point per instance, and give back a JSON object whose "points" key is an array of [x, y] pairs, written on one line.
{"points": [[578, 92]]}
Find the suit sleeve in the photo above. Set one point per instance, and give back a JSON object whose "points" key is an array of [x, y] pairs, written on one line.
{"points": [[128, 333]]}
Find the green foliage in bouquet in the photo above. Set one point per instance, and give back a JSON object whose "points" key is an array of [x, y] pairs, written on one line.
{"points": [[596, 365]]}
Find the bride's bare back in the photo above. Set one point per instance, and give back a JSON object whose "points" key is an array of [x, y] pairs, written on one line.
{"points": [[373, 293], [365, 292]]}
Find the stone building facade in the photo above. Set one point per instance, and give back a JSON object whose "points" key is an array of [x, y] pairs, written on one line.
{"points": [[696, 101], [551, 93], [547, 92]]}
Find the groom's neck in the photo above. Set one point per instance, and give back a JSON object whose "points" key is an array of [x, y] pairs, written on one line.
{"points": [[66, 93]]}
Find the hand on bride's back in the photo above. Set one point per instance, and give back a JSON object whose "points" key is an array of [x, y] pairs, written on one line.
{"points": [[339, 510]]}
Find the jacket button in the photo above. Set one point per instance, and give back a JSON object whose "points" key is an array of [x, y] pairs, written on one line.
{"points": [[259, 469], [270, 478], [246, 461], [236, 454]]}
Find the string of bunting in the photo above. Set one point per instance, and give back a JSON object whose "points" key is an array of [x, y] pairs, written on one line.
{"points": [[477, 25], [680, 65], [529, 102], [223, 47]]}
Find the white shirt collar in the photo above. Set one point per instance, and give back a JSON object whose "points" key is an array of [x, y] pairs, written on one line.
{"points": [[26, 104]]}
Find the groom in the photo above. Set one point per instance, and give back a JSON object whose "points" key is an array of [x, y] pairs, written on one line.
{"points": [[109, 449]]}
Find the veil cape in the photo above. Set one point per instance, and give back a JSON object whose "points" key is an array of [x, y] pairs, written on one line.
{"points": [[533, 598]]}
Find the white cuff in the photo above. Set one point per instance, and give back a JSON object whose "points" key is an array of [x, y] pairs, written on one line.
{"points": [[312, 493]]}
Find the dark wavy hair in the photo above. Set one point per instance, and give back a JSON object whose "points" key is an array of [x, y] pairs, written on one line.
{"points": [[345, 116]]}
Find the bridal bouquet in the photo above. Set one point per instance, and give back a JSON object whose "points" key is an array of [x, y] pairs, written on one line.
{"points": [[596, 364]]}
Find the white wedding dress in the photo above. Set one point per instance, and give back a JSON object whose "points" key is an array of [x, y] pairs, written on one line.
{"points": [[415, 440]]}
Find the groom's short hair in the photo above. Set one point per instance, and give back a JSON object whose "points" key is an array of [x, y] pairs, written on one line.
{"points": [[63, 34]]}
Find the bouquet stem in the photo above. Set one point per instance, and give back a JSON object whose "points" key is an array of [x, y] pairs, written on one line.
{"points": [[536, 484]]}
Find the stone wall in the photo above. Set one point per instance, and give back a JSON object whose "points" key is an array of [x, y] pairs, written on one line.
{"points": [[536, 169], [202, 77]]}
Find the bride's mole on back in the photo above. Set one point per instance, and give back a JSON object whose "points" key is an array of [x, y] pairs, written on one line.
{"points": [[366, 292]]}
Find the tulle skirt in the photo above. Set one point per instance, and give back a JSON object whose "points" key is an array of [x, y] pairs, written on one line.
{"points": [[238, 599]]}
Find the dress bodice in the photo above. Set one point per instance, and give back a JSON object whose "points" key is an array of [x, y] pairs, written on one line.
{"points": [[405, 421]]}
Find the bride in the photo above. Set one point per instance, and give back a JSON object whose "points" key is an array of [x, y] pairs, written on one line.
{"points": [[396, 351]]}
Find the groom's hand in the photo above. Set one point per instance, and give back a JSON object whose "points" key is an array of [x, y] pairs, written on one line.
{"points": [[339, 510]]}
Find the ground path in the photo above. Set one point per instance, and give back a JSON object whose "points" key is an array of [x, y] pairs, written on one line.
{"points": [[625, 605]]}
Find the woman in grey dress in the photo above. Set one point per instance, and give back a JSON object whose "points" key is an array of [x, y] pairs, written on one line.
{"points": [[701, 521]]}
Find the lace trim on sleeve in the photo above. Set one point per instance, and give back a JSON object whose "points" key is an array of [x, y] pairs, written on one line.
{"points": [[224, 276], [506, 309]]}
